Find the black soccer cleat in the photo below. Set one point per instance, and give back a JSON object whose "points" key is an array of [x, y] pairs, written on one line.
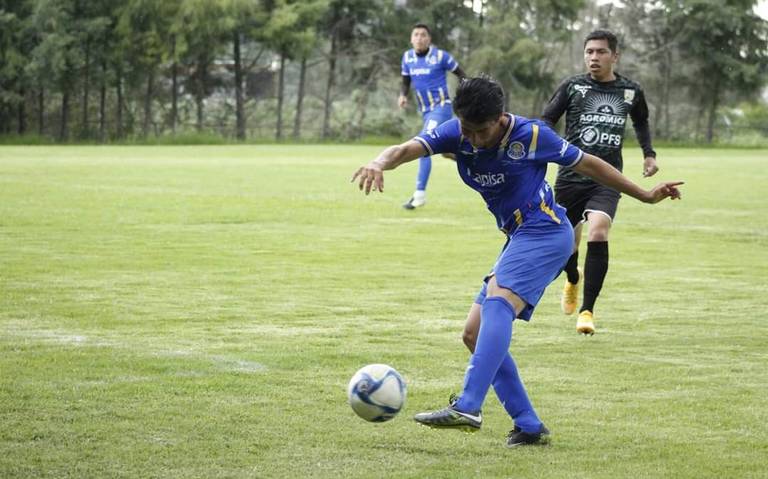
{"points": [[518, 437], [451, 418]]}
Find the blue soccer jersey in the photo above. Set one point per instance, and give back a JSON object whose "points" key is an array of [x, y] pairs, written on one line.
{"points": [[428, 76], [511, 176]]}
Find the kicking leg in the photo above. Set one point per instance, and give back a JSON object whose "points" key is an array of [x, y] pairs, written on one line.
{"points": [[494, 336], [507, 384]]}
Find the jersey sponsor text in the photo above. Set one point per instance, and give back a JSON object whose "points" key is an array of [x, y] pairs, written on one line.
{"points": [[489, 179]]}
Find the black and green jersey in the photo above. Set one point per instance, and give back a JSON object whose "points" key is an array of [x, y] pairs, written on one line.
{"points": [[596, 116]]}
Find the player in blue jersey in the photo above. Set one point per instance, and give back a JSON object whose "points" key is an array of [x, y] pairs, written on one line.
{"points": [[424, 66], [504, 158]]}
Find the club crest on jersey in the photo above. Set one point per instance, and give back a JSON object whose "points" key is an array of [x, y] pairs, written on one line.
{"points": [[432, 60], [583, 89], [590, 135], [516, 150], [629, 95]]}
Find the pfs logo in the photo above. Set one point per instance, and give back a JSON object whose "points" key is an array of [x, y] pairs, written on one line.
{"points": [[591, 136]]}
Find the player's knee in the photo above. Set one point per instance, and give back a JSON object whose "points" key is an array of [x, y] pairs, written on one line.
{"points": [[470, 339], [599, 227], [496, 291], [469, 336], [599, 234]]}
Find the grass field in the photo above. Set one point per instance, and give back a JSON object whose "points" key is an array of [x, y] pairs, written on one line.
{"points": [[197, 312]]}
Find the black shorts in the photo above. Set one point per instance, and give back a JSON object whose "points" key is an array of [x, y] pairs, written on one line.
{"points": [[582, 198]]}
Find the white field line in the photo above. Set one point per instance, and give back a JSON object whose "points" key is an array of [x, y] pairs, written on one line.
{"points": [[70, 338]]}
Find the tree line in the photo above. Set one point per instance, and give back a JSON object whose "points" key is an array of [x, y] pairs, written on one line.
{"points": [[105, 70]]}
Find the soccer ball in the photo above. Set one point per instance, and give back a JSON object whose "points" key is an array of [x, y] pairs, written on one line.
{"points": [[376, 392]]}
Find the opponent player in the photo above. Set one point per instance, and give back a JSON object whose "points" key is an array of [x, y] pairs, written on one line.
{"points": [[425, 67], [504, 158], [596, 105]]}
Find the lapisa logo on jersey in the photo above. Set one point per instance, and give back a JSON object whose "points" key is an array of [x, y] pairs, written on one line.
{"points": [[489, 179], [629, 95], [516, 150]]}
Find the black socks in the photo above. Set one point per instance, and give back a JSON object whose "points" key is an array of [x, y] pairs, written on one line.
{"points": [[571, 268], [595, 269]]}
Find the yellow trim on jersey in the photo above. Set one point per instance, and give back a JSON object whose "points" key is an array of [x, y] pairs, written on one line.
{"points": [[534, 140], [546, 209], [442, 96], [422, 105], [431, 99], [518, 217]]}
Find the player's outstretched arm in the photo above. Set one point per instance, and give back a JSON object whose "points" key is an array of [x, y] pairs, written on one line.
{"points": [[606, 174], [371, 176]]}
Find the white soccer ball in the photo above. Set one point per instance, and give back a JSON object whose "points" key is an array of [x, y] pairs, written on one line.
{"points": [[376, 392]]}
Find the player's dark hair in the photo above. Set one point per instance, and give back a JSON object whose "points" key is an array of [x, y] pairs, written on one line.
{"points": [[478, 100], [613, 42], [424, 26]]}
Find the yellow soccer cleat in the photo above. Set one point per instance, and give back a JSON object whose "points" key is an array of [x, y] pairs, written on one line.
{"points": [[586, 323], [570, 297]]}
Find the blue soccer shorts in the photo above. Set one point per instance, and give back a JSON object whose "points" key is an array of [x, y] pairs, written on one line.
{"points": [[534, 255], [433, 119]]}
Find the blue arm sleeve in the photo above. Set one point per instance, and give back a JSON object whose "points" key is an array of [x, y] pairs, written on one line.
{"points": [[443, 139], [547, 146]]}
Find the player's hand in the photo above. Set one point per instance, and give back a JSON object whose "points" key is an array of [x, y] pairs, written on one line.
{"points": [[370, 177], [649, 166], [402, 101], [667, 189]]}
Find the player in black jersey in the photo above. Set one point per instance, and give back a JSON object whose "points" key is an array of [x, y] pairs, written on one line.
{"points": [[596, 107]]}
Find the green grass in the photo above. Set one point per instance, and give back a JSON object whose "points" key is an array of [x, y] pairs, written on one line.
{"points": [[197, 312]]}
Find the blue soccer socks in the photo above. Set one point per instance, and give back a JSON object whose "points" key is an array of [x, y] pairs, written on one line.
{"points": [[492, 345], [492, 364], [511, 392], [425, 168]]}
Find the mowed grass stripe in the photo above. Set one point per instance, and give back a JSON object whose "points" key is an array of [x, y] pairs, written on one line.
{"points": [[198, 311]]}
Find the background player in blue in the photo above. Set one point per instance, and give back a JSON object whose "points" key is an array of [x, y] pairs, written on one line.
{"points": [[596, 105], [424, 66], [504, 158]]}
